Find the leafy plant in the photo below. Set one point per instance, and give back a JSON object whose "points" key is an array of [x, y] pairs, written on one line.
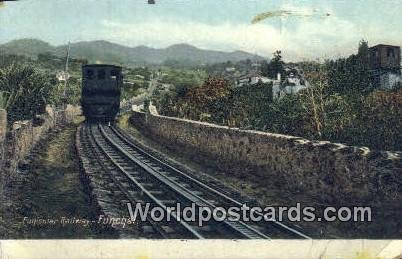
{"points": [[25, 91]]}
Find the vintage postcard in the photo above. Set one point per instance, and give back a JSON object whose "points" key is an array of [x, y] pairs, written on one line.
{"points": [[200, 129]]}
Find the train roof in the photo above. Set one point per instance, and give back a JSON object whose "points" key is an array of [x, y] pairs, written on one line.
{"points": [[384, 45], [101, 65]]}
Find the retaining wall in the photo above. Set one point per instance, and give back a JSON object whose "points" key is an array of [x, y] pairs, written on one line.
{"points": [[334, 172], [3, 132], [16, 142]]}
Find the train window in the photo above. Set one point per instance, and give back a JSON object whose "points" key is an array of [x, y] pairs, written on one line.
{"points": [[390, 52], [101, 74], [89, 74], [114, 74]]}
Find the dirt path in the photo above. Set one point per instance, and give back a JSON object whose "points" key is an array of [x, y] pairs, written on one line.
{"points": [[50, 201]]}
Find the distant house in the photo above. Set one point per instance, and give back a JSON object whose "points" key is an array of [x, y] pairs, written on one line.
{"points": [[62, 75], [291, 85], [139, 77], [167, 86], [385, 65], [251, 79], [230, 69]]}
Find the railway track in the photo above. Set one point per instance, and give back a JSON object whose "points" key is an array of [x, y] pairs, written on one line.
{"points": [[129, 174]]}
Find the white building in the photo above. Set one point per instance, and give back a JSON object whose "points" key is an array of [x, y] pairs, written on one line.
{"points": [[252, 80], [292, 85], [230, 69], [389, 80]]}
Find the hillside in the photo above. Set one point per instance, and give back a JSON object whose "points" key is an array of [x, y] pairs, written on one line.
{"points": [[108, 52], [26, 47]]}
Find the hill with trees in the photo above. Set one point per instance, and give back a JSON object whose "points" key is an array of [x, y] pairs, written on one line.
{"points": [[108, 52]]}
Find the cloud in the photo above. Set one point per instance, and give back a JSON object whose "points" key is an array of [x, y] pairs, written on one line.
{"points": [[225, 36], [301, 37]]}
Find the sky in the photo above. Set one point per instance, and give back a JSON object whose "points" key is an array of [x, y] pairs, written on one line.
{"points": [[322, 28]]}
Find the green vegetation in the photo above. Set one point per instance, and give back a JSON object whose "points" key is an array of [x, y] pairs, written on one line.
{"points": [[271, 69], [371, 120], [341, 105], [136, 81], [27, 85], [179, 82], [182, 77], [217, 102], [24, 91]]}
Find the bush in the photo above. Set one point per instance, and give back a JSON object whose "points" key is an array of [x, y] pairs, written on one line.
{"points": [[25, 91], [380, 123]]}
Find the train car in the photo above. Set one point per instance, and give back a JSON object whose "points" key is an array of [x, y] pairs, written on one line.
{"points": [[101, 90]]}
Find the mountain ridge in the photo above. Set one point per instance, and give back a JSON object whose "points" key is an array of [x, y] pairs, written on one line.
{"points": [[109, 52]]}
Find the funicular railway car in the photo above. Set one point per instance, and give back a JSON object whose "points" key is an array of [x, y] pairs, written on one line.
{"points": [[101, 90]]}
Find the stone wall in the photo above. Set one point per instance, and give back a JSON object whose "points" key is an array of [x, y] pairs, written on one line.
{"points": [[21, 137], [3, 132], [331, 171]]}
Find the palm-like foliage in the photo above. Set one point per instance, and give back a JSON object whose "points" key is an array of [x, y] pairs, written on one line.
{"points": [[24, 91], [9, 91], [4, 99]]}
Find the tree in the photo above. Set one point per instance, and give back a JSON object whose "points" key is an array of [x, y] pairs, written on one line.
{"points": [[247, 105], [277, 62], [363, 51], [350, 76], [379, 123], [274, 67], [209, 98], [314, 100]]}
